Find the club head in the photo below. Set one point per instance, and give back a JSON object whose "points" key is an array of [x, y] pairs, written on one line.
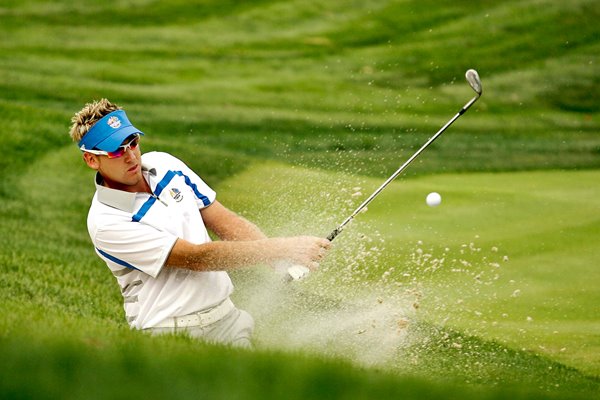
{"points": [[473, 79]]}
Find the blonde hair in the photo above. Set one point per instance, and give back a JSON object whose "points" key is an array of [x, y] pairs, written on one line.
{"points": [[83, 120]]}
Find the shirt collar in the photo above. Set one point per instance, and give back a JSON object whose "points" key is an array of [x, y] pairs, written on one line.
{"points": [[119, 199]]}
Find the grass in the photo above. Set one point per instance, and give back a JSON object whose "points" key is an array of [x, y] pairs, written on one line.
{"points": [[290, 109], [66, 366], [73, 314], [505, 239]]}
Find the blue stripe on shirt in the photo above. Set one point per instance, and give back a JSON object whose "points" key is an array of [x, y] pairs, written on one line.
{"points": [[188, 181], [164, 182], [116, 260], [161, 186], [144, 209]]}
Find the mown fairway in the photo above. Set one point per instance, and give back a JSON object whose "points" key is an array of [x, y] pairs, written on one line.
{"points": [[295, 111]]}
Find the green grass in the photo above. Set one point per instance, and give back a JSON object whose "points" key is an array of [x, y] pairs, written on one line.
{"points": [[290, 109], [62, 370], [530, 233]]}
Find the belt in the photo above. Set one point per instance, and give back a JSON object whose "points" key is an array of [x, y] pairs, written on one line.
{"points": [[202, 318]]}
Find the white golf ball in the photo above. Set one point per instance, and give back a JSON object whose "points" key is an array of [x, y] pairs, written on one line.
{"points": [[433, 199]]}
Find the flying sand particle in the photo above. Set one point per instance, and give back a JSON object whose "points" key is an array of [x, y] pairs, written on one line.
{"points": [[402, 323]]}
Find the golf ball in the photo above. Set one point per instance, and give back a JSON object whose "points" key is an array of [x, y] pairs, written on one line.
{"points": [[433, 199]]}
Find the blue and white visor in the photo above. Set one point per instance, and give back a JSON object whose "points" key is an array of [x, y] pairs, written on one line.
{"points": [[108, 133]]}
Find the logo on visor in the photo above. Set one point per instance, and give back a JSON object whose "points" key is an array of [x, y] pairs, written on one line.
{"points": [[176, 194], [114, 122]]}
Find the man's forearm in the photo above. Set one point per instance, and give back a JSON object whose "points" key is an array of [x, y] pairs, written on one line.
{"points": [[227, 225], [222, 255], [227, 255], [241, 229]]}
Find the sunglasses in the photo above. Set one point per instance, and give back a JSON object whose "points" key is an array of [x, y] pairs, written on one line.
{"points": [[132, 144]]}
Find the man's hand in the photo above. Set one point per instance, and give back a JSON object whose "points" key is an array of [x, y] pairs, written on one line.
{"points": [[305, 254], [303, 250]]}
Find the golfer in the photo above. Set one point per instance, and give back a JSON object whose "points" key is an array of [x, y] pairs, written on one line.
{"points": [[149, 221]]}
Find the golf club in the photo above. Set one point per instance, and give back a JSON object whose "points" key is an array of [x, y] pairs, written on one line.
{"points": [[475, 83], [296, 272]]}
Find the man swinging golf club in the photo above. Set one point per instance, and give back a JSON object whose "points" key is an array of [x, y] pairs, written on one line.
{"points": [[149, 221]]}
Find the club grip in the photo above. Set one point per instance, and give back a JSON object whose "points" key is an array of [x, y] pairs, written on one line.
{"points": [[333, 234], [297, 272]]}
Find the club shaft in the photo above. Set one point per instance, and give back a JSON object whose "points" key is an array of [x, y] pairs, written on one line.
{"points": [[337, 230]]}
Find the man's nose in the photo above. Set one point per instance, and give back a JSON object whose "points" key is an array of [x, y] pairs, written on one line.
{"points": [[129, 154]]}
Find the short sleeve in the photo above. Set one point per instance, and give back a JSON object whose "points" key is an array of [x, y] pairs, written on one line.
{"points": [[135, 246]]}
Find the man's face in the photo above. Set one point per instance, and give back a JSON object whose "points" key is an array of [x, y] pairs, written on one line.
{"points": [[123, 172]]}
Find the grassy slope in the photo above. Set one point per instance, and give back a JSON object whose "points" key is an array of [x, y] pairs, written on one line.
{"points": [[348, 86], [372, 78]]}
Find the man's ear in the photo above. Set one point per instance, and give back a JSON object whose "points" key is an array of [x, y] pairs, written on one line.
{"points": [[91, 160]]}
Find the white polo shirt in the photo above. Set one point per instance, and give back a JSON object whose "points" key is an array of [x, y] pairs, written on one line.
{"points": [[135, 232]]}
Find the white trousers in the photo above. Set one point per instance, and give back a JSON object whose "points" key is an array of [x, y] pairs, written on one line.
{"points": [[234, 329]]}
